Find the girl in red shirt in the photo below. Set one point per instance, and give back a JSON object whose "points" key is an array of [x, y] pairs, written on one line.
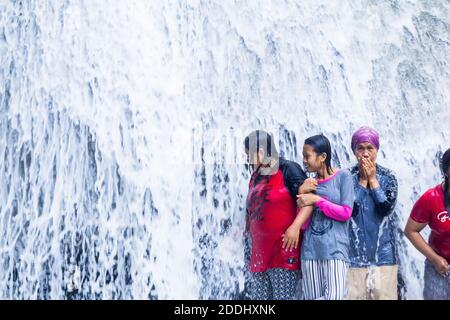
{"points": [[433, 209], [271, 209]]}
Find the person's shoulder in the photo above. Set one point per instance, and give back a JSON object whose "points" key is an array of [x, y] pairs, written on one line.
{"points": [[290, 165], [344, 173], [430, 194], [354, 170], [385, 171], [435, 191]]}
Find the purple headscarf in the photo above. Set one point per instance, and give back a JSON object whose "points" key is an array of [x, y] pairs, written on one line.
{"points": [[365, 134]]}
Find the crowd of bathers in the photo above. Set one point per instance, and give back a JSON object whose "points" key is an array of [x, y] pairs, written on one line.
{"points": [[334, 228]]}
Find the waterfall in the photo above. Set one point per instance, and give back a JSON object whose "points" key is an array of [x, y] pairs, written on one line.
{"points": [[122, 169]]}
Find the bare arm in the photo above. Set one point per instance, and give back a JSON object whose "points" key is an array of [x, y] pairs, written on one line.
{"points": [[412, 232], [292, 234]]}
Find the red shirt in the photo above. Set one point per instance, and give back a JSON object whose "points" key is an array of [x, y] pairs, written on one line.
{"points": [[430, 209], [270, 211]]}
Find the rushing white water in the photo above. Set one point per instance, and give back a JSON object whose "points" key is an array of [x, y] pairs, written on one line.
{"points": [[121, 129]]}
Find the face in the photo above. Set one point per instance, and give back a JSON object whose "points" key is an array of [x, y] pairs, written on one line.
{"points": [[313, 162], [366, 150], [255, 159]]}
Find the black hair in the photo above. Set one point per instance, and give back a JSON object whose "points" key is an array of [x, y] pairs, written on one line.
{"points": [[261, 139], [321, 144], [445, 164]]}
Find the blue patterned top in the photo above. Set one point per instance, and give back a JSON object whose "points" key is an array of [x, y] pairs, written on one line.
{"points": [[372, 238]]}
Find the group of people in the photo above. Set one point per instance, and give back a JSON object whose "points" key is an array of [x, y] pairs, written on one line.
{"points": [[335, 228]]}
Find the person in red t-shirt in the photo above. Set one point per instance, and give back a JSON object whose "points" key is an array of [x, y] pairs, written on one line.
{"points": [[433, 209], [271, 208]]}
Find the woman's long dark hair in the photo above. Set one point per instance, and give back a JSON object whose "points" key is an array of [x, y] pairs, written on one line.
{"points": [[445, 164], [321, 144]]}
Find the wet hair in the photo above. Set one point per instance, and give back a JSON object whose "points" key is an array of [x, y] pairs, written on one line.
{"points": [[321, 144], [445, 164], [261, 139]]}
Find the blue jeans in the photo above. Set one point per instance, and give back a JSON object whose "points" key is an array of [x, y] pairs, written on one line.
{"points": [[437, 287]]}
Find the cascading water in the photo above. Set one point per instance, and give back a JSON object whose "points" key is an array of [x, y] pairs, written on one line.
{"points": [[122, 125]]}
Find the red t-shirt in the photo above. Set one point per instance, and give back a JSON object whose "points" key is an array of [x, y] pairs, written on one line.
{"points": [[271, 210], [430, 209]]}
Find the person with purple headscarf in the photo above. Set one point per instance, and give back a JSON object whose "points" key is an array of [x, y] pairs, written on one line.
{"points": [[373, 255]]}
